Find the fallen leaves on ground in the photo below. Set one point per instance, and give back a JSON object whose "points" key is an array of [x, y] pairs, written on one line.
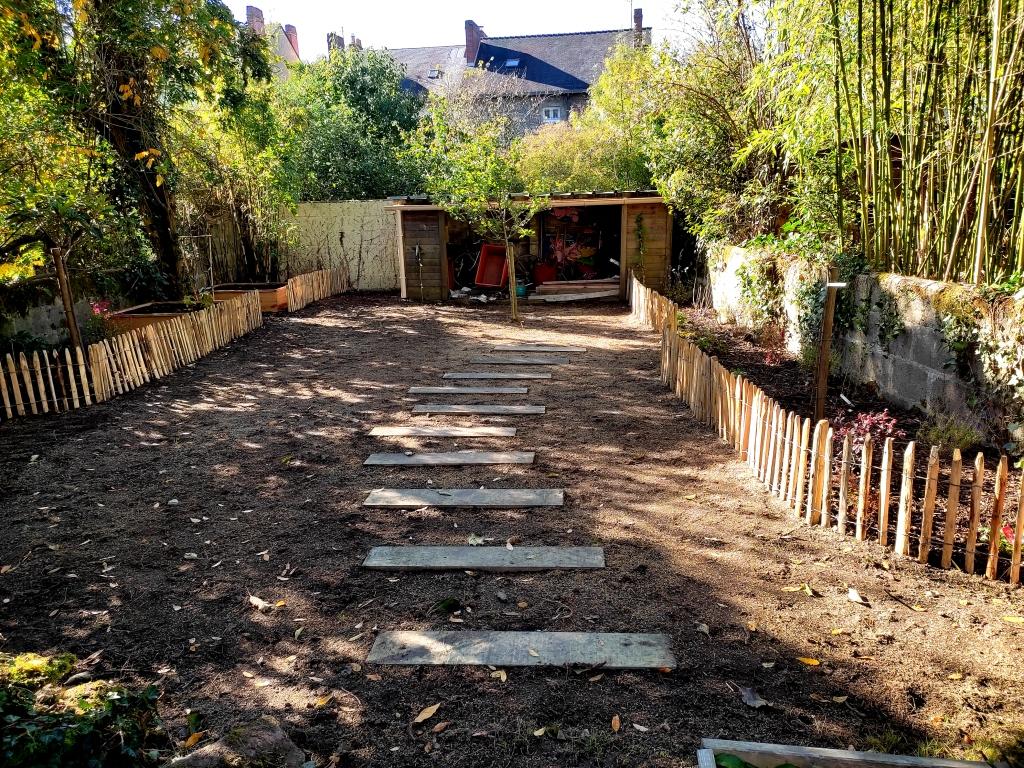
{"points": [[192, 740], [616, 723], [259, 604], [855, 597], [751, 698], [810, 662], [807, 589], [1014, 619], [427, 713]]}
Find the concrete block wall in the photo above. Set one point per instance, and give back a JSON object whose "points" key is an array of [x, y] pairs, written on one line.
{"points": [[912, 370]]}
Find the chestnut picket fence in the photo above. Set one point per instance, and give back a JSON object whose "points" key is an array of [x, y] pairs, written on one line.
{"points": [[908, 497]]}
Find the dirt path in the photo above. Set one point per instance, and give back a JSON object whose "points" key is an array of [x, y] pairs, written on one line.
{"points": [[252, 460]]}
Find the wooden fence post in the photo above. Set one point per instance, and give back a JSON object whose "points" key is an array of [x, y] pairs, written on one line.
{"points": [[995, 529], [813, 515], [1018, 536], [928, 512], [867, 452], [885, 491], [952, 509], [801, 467], [844, 487], [977, 486], [906, 502]]}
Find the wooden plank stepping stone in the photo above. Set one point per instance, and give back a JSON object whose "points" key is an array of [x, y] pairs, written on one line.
{"points": [[483, 558], [468, 390], [441, 431], [517, 360], [535, 348], [505, 498], [493, 410], [496, 375], [610, 650], [450, 458]]}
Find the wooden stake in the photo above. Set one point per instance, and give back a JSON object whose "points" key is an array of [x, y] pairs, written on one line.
{"points": [[952, 509], [813, 514], [787, 457], [864, 489], [977, 487], [995, 529], [884, 491], [19, 404], [844, 486], [824, 504], [928, 512], [1018, 536], [906, 502], [801, 470], [27, 378]]}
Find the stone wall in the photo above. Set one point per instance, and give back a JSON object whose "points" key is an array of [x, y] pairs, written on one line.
{"points": [[912, 369], [45, 322]]}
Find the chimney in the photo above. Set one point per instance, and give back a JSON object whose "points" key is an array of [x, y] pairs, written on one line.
{"points": [[254, 19], [356, 44], [293, 37], [638, 28], [474, 35]]}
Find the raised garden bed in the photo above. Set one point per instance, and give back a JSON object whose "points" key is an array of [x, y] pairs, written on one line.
{"points": [[152, 312], [273, 296], [734, 754]]}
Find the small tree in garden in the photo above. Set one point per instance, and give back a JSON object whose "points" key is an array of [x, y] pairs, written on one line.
{"points": [[470, 170]]}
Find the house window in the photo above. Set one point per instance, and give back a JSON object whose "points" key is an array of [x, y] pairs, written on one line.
{"points": [[512, 63], [551, 114], [435, 73]]}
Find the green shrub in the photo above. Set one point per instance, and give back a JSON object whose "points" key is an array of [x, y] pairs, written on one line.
{"points": [[85, 726], [949, 432]]}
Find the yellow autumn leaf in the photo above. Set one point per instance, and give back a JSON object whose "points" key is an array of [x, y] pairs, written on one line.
{"points": [[808, 661], [143, 153], [192, 740], [616, 723], [918, 608], [159, 53], [540, 732], [427, 713], [1014, 619], [795, 588], [690, 496], [159, 182]]}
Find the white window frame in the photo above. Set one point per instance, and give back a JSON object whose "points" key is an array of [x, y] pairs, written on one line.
{"points": [[551, 114]]}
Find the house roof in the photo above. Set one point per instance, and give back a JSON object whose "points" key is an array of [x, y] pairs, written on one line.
{"points": [[419, 62], [541, 64]]}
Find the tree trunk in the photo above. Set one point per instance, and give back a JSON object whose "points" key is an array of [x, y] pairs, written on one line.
{"points": [[510, 257], [66, 297]]}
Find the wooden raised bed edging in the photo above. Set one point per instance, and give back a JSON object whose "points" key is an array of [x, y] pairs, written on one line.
{"points": [[273, 296], [773, 755], [794, 459]]}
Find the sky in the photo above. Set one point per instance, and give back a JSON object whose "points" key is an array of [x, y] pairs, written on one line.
{"points": [[414, 23]]}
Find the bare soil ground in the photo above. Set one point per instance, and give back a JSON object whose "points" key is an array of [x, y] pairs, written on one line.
{"points": [[252, 462]]}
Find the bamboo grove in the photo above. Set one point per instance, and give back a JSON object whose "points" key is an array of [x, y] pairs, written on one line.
{"points": [[925, 110]]}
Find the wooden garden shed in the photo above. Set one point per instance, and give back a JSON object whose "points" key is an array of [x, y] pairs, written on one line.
{"points": [[595, 237]]}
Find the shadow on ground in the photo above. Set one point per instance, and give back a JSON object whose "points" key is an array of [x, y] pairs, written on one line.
{"points": [[144, 524]]}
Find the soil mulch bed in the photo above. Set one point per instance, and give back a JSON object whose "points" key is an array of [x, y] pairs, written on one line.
{"points": [[782, 378], [140, 527]]}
